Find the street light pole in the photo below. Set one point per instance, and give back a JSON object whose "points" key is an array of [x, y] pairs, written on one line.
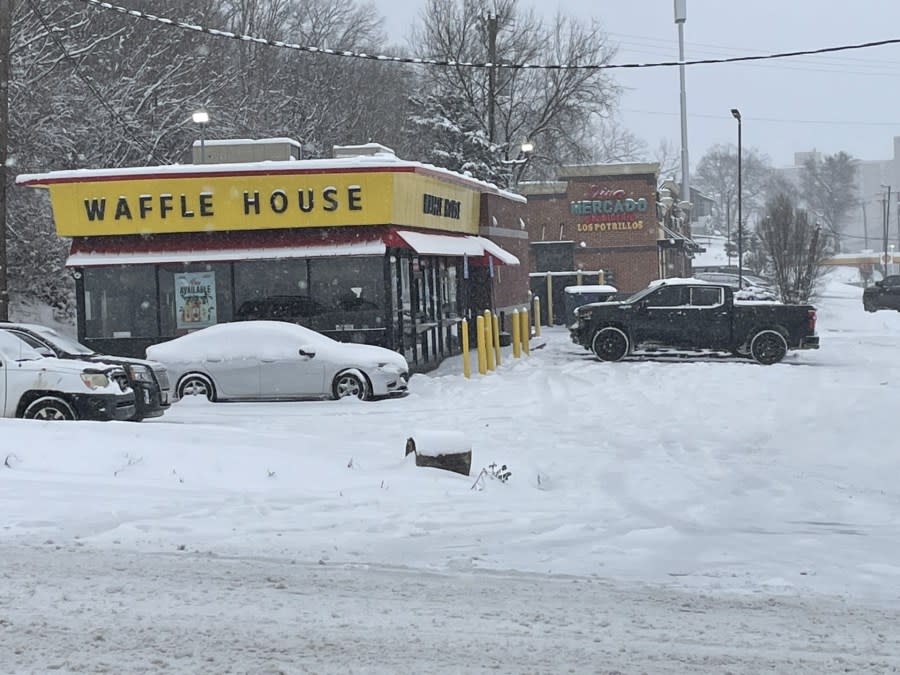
{"points": [[680, 18], [737, 115], [201, 117], [885, 216]]}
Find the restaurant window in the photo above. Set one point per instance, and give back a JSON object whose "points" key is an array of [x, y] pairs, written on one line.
{"points": [[349, 283], [194, 296], [273, 289], [120, 302]]}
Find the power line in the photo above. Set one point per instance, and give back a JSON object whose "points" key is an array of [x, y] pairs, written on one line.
{"points": [[243, 37], [666, 43], [763, 119]]}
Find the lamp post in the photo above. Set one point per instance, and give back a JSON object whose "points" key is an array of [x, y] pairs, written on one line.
{"points": [[885, 215], [737, 115], [201, 117], [525, 150], [680, 18]]}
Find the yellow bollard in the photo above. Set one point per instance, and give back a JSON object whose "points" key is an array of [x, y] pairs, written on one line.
{"points": [[464, 336], [479, 343], [488, 339], [495, 333], [525, 333], [516, 329], [537, 315]]}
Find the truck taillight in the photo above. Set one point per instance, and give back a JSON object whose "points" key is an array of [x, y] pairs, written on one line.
{"points": [[811, 320]]}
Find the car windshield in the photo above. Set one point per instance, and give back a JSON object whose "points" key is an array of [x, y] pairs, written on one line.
{"points": [[16, 349], [65, 343], [640, 294]]}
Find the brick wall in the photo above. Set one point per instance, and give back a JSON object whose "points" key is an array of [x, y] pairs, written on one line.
{"points": [[613, 224], [501, 222]]}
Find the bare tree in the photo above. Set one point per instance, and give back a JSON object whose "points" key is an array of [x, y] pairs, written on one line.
{"points": [[611, 142], [668, 156], [795, 247], [551, 108], [716, 176]]}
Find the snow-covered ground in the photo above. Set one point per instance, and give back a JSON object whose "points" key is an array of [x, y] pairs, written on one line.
{"points": [[661, 516]]}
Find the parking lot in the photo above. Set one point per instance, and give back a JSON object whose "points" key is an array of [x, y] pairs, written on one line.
{"points": [[706, 476]]}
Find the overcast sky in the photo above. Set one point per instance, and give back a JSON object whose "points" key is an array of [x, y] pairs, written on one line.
{"points": [[847, 101]]}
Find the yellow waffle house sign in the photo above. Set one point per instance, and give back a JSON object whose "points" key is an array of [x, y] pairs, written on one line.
{"points": [[209, 198]]}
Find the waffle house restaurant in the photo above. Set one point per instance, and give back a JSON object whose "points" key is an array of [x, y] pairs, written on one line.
{"points": [[363, 247]]}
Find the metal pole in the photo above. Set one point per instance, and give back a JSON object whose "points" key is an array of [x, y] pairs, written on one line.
{"points": [[866, 226], [492, 72], [740, 215], [736, 114], [886, 209], [685, 163], [203, 144]]}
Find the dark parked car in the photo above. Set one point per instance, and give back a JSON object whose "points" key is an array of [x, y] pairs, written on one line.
{"points": [[884, 294], [148, 379], [692, 314], [291, 308]]}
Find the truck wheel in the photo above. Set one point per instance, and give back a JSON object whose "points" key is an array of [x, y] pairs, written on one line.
{"points": [[768, 347], [610, 344], [196, 385], [49, 408]]}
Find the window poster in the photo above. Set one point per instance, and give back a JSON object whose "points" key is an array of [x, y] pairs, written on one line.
{"points": [[195, 299]]}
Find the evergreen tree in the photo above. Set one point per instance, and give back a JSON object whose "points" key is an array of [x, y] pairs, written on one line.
{"points": [[455, 139]]}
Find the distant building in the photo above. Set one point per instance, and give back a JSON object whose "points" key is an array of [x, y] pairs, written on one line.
{"points": [[866, 220]]}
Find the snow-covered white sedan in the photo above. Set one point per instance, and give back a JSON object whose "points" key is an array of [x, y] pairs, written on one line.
{"points": [[274, 360]]}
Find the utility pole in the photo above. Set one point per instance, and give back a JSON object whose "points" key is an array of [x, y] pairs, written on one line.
{"points": [[680, 18], [6, 10], [865, 226], [492, 71], [885, 215]]}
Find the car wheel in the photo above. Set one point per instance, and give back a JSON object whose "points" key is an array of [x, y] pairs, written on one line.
{"points": [[868, 307], [49, 408], [768, 347], [610, 344], [350, 384], [196, 385]]}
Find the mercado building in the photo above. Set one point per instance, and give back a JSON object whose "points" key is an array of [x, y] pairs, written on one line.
{"points": [[605, 224], [363, 247]]}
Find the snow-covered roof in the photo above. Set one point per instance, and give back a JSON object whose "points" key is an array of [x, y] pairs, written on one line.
{"points": [[359, 163], [441, 244]]}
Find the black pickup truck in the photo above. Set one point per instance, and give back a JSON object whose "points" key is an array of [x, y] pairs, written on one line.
{"points": [[694, 315]]}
